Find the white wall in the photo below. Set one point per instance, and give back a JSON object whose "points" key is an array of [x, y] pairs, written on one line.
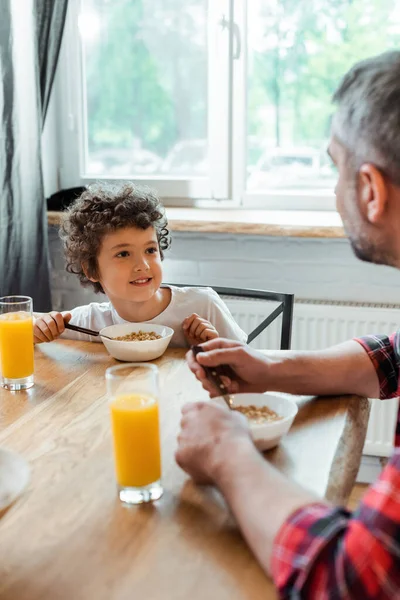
{"points": [[310, 268]]}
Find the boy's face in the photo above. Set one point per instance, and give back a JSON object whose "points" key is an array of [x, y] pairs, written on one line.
{"points": [[129, 264]]}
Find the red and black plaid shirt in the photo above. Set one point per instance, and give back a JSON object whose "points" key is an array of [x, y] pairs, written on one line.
{"points": [[324, 553]]}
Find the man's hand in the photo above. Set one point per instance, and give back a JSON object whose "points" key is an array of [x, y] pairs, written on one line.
{"points": [[198, 330], [214, 446], [48, 327], [250, 366], [209, 433]]}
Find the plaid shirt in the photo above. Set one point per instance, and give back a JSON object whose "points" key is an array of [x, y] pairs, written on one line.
{"points": [[327, 553]]}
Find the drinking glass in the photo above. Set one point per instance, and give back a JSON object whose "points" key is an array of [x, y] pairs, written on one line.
{"points": [[133, 396], [16, 342]]}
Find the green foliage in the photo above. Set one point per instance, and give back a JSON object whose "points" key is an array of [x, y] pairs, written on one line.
{"points": [[141, 84], [314, 44]]}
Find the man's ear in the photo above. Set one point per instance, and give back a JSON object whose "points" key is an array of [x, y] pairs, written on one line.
{"points": [[372, 193]]}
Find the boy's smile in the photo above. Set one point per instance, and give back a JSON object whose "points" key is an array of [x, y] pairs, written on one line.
{"points": [[130, 273], [141, 282]]}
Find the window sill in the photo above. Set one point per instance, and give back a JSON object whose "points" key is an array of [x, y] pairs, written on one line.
{"points": [[305, 224]]}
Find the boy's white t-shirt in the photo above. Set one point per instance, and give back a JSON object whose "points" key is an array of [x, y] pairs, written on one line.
{"points": [[184, 301]]}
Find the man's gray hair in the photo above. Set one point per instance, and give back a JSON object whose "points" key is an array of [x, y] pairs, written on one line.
{"points": [[367, 121]]}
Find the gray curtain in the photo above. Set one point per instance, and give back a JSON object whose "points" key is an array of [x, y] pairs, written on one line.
{"points": [[50, 20], [30, 38]]}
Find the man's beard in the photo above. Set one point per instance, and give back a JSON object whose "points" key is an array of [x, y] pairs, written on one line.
{"points": [[362, 251], [368, 252]]}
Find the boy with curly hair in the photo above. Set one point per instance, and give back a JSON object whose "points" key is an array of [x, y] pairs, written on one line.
{"points": [[114, 240]]}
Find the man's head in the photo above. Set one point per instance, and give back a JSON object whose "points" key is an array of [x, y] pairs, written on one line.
{"points": [[365, 146]]}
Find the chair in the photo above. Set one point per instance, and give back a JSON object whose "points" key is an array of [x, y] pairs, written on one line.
{"points": [[285, 307]]}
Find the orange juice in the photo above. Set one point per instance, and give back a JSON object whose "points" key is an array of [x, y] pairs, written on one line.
{"points": [[135, 427], [16, 345]]}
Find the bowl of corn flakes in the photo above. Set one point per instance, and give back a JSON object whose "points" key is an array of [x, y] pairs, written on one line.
{"points": [[136, 342], [269, 416]]}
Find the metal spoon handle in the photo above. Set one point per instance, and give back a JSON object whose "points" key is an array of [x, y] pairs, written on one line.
{"points": [[214, 376], [81, 329], [84, 330]]}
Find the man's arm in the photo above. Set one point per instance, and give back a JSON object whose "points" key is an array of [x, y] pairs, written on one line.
{"points": [[342, 369], [310, 548], [315, 548], [260, 497], [215, 447]]}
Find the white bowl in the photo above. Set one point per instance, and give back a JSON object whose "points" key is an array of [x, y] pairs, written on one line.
{"points": [[267, 435], [136, 351]]}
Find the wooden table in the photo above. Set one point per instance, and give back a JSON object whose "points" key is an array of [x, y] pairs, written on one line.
{"points": [[69, 538]]}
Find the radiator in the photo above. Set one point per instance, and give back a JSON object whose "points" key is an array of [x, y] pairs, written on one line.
{"points": [[318, 325]]}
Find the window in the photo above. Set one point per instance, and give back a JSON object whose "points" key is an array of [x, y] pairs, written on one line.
{"points": [[211, 100], [145, 85], [297, 51]]}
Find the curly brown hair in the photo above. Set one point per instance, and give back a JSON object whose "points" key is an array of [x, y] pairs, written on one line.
{"points": [[103, 208]]}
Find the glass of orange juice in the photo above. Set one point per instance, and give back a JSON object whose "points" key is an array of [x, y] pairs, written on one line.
{"points": [[133, 392], [16, 342]]}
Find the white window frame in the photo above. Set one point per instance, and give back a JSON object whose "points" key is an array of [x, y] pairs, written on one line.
{"points": [[227, 108]]}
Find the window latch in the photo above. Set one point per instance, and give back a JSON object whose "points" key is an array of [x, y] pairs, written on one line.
{"points": [[226, 24]]}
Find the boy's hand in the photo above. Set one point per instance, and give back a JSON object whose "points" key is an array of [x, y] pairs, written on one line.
{"points": [[198, 330], [49, 326]]}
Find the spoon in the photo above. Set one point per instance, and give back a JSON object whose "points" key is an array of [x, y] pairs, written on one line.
{"points": [[87, 331], [214, 375]]}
